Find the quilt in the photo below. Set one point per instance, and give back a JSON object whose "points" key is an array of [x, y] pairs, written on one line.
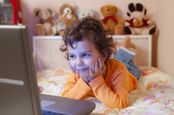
{"points": [[154, 94]]}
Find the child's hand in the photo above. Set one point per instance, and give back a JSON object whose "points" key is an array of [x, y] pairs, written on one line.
{"points": [[99, 69]]}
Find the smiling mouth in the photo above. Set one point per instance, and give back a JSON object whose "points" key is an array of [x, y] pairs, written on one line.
{"points": [[82, 70]]}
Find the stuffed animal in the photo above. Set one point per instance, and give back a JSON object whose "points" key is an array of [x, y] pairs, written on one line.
{"points": [[125, 55], [138, 22], [47, 25], [114, 25], [67, 18], [86, 13]]}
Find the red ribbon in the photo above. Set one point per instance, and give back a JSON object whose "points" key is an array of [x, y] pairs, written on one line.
{"points": [[109, 17], [132, 25]]}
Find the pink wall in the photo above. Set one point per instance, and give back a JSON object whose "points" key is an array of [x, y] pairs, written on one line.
{"points": [[165, 21], [29, 5], [159, 10]]}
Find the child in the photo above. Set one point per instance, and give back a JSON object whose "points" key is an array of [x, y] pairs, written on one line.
{"points": [[93, 73]]}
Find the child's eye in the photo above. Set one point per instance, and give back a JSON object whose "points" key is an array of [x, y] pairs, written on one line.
{"points": [[72, 56], [85, 55]]}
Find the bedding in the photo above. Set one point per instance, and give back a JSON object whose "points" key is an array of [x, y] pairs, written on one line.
{"points": [[154, 94]]}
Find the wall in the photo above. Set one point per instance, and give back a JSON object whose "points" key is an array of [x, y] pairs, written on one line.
{"points": [[29, 5], [165, 21], [159, 10]]}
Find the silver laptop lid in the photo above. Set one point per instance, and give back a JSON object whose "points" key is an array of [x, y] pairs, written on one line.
{"points": [[18, 95], [66, 106]]}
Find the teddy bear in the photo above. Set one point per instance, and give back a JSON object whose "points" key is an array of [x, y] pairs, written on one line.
{"points": [[114, 25], [125, 55], [86, 13], [138, 22], [47, 25], [67, 18]]}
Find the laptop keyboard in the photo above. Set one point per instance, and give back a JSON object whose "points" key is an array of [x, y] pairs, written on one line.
{"points": [[44, 112]]}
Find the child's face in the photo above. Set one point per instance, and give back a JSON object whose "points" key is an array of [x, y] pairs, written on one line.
{"points": [[83, 56]]}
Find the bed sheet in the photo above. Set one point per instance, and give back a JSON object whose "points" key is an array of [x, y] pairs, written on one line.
{"points": [[154, 94]]}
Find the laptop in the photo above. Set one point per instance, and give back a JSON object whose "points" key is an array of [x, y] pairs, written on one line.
{"points": [[18, 87]]}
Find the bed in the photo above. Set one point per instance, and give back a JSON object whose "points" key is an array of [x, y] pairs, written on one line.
{"points": [[154, 94]]}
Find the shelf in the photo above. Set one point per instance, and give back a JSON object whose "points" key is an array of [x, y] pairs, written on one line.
{"points": [[6, 5], [113, 36], [131, 36], [6, 22]]}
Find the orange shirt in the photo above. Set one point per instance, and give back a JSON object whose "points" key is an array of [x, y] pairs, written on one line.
{"points": [[112, 91]]}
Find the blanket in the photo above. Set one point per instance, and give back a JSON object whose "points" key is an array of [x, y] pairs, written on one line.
{"points": [[154, 94]]}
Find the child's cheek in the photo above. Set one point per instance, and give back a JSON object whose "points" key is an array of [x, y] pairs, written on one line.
{"points": [[91, 63], [72, 63]]}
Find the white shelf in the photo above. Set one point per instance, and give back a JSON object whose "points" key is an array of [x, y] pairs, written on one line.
{"points": [[132, 36], [113, 36], [12, 26], [47, 37]]}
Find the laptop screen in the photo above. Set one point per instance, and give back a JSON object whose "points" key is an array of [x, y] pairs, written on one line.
{"points": [[19, 95]]}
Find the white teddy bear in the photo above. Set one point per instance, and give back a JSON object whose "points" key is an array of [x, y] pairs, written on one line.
{"points": [[138, 22], [86, 13]]}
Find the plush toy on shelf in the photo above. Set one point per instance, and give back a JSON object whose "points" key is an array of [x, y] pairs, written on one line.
{"points": [[86, 13], [138, 22], [113, 24], [47, 25], [125, 55], [67, 18]]}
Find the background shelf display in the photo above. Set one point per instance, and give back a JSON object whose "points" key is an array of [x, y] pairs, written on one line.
{"points": [[6, 13]]}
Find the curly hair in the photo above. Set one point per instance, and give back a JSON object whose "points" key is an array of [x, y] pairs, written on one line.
{"points": [[92, 29]]}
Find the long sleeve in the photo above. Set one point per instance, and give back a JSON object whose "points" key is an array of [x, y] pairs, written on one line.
{"points": [[75, 87], [114, 91]]}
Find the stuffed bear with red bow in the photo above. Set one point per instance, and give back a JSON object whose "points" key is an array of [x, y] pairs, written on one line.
{"points": [[114, 25]]}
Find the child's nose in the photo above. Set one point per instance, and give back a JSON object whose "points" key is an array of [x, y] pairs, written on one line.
{"points": [[79, 61]]}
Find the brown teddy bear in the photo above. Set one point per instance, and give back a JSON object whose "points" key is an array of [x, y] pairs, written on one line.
{"points": [[114, 25], [47, 24], [67, 18]]}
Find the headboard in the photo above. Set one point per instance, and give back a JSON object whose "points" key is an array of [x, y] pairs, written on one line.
{"points": [[143, 45], [47, 54]]}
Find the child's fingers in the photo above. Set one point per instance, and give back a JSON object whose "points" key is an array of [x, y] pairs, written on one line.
{"points": [[96, 67], [100, 63], [90, 72]]}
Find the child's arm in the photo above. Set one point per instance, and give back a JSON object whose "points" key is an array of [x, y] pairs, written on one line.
{"points": [[115, 96], [75, 87]]}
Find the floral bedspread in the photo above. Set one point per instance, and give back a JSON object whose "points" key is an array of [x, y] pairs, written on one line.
{"points": [[153, 96]]}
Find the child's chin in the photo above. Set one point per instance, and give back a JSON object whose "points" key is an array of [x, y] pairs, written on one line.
{"points": [[84, 73]]}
